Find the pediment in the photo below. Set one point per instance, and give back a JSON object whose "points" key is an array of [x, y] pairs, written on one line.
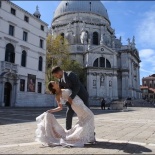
{"points": [[102, 49]]}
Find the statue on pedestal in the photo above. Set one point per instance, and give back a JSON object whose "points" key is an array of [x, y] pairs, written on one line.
{"points": [[110, 83], [102, 40], [129, 43], [89, 44], [69, 26], [84, 37], [133, 42], [113, 44], [102, 80], [70, 37]]}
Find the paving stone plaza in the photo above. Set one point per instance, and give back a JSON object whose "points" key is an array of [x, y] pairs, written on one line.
{"points": [[117, 132]]}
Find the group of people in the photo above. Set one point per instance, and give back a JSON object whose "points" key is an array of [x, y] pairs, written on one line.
{"points": [[71, 92]]}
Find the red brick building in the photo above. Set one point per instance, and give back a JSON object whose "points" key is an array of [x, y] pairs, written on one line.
{"points": [[148, 87]]}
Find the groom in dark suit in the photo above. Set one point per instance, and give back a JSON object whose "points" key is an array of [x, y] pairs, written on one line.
{"points": [[68, 80]]}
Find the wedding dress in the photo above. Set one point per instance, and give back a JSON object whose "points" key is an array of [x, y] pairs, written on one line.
{"points": [[51, 133]]}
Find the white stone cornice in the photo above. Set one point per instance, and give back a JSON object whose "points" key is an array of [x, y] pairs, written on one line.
{"points": [[24, 47], [10, 39], [41, 37], [102, 49], [25, 29], [12, 23], [42, 54]]}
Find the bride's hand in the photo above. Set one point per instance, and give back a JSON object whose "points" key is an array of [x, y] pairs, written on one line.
{"points": [[49, 111]]}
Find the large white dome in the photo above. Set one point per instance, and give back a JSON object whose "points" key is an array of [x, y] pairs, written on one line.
{"points": [[72, 6]]}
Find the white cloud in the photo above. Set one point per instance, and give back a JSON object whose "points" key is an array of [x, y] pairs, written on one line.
{"points": [[147, 66], [147, 71], [145, 34], [146, 29], [146, 53]]}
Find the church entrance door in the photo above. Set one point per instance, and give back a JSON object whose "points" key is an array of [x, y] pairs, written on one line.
{"points": [[7, 94]]}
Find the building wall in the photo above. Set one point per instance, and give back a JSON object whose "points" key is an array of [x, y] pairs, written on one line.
{"points": [[33, 50], [29, 99]]}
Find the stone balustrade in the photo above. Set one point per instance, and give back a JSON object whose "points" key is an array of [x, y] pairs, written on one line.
{"points": [[6, 66]]}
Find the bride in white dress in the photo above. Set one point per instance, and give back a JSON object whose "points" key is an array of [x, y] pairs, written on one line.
{"points": [[50, 132]]}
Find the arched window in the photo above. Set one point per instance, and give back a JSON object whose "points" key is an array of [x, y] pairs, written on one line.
{"points": [[95, 38], [108, 65], [102, 62], [40, 65], [10, 53], [62, 35], [23, 59], [95, 63]]}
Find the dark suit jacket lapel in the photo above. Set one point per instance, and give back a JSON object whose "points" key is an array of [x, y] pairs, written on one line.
{"points": [[65, 76]]}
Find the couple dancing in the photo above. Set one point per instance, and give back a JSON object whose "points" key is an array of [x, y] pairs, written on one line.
{"points": [[69, 90]]}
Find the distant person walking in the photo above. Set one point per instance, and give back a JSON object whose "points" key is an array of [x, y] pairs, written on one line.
{"points": [[126, 103], [103, 104]]}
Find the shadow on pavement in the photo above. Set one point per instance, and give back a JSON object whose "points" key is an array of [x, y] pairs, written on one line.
{"points": [[125, 147]]}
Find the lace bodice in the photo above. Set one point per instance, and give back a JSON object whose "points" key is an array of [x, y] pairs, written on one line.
{"points": [[65, 94]]}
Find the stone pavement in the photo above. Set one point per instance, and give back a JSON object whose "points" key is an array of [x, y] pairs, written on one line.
{"points": [[117, 132]]}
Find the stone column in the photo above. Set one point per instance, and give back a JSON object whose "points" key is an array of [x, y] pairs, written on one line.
{"points": [[14, 94], [125, 86], [130, 76], [1, 93], [26, 81], [88, 82], [115, 87], [86, 60], [107, 86], [138, 77], [2, 85], [97, 86], [43, 88]]}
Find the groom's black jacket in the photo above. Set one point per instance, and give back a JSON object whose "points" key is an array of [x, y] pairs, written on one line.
{"points": [[72, 82]]}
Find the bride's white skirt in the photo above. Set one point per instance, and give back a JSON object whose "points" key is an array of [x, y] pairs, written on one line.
{"points": [[50, 132]]}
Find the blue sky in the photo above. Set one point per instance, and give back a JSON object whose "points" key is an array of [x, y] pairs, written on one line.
{"points": [[128, 18]]}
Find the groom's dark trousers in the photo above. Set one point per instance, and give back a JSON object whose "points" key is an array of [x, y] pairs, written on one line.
{"points": [[72, 82]]}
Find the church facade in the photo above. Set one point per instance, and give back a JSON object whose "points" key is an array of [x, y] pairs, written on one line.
{"points": [[112, 68]]}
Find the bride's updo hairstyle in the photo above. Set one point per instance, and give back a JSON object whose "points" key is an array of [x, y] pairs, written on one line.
{"points": [[51, 89]]}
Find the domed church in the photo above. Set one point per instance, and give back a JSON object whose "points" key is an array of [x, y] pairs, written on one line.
{"points": [[112, 68]]}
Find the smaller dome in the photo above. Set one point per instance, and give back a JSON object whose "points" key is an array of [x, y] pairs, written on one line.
{"points": [[37, 13]]}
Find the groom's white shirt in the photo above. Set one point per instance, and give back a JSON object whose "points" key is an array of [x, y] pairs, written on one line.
{"points": [[63, 77]]}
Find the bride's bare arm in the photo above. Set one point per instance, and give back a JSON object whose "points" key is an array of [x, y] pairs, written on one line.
{"points": [[59, 108]]}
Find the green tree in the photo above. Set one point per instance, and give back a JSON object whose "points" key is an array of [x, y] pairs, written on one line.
{"points": [[77, 68], [58, 54]]}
